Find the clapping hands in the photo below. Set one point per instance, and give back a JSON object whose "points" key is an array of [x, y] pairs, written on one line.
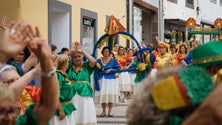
{"points": [[18, 35], [15, 38], [38, 45], [76, 46]]}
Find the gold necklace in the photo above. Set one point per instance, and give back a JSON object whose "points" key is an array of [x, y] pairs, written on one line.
{"points": [[77, 69], [105, 62]]}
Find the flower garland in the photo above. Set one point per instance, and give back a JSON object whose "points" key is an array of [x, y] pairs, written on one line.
{"points": [[170, 32]]}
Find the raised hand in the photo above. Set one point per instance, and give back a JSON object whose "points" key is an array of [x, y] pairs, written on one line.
{"points": [[38, 45], [15, 38], [4, 22], [76, 46], [40, 48], [55, 60], [142, 44], [73, 48]]}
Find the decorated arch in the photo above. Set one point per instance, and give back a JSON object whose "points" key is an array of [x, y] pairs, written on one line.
{"points": [[114, 28], [192, 30]]}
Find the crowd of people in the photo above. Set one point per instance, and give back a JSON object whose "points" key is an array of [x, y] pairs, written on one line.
{"points": [[18, 35], [168, 82]]}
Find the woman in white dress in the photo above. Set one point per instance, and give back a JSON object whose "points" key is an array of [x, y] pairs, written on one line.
{"points": [[124, 78], [64, 115], [79, 73], [108, 93]]}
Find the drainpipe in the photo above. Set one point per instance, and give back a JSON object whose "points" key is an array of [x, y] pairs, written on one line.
{"points": [[130, 19], [161, 21]]}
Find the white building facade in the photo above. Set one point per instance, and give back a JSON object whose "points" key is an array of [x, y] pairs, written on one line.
{"points": [[209, 11], [176, 12]]}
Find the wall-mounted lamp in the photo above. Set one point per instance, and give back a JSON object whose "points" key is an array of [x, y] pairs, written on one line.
{"points": [[123, 15], [198, 10]]}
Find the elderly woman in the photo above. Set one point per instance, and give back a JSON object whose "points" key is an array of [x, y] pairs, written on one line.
{"points": [[124, 78], [65, 111], [164, 59], [15, 38], [171, 97], [79, 73], [24, 62], [108, 83], [9, 75]]}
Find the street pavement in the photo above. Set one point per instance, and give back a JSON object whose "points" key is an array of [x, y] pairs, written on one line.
{"points": [[119, 114]]}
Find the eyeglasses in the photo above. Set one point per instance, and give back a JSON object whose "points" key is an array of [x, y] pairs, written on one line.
{"points": [[79, 56], [13, 111], [21, 55], [106, 51], [10, 81]]}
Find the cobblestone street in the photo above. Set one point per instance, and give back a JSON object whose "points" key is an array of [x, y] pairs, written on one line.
{"points": [[119, 115]]}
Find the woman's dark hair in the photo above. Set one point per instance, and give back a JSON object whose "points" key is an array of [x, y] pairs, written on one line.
{"points": [[126, 48], [184, 48], [173, 46], [64, 49], [121, 47], [130, 50], [27, 53], [115, 44], [53, 47], [151, 45], [106, 47]]}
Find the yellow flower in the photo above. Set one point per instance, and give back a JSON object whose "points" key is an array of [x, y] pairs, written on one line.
{"points": [[141, 67]]}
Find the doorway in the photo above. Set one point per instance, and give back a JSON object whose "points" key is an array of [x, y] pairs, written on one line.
{"points": [[59, 24]]}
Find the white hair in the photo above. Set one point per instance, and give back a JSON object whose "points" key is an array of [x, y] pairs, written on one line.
{"points": [[4, 69]]}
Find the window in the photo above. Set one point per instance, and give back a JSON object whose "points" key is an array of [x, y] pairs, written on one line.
{"points": [[88, 34], [213, 1], [88, 29], [190, 4], [174, 1]]}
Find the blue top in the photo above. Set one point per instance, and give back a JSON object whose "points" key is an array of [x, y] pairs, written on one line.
{"points": [[111, 65], [188, 58], [100, 71], [19, 69]]}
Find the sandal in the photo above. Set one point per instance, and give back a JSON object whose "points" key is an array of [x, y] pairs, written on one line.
{"points": [[103, 114], [110, 114]]}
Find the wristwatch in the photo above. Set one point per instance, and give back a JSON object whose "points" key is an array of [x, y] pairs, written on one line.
{"points": [[50, 73]]}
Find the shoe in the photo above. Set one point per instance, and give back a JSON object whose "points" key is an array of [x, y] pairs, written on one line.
{"points": [[110, 114], [103, 114]]}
